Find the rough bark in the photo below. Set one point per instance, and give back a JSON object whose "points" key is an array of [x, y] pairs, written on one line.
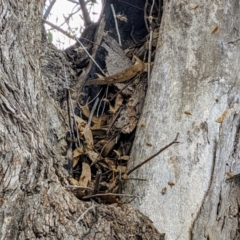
{"points": [[194, 80], [34, 203]]}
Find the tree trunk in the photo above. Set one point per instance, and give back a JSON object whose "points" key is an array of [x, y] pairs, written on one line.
{"points": [[34, 203], [194, 90]]}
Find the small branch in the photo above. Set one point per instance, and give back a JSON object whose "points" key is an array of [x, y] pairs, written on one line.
{"points": [[116, 25], [234, 177], [121, 90], [95, 97], [114, 119], [49, 9], [130, 4], [59, 29], [150, 41], [104, 103], [92, 111], [86, 17], [132, 35], [97, 181], [145, 15], [87, 52], [88, 209], [69, 16], [154, 155], [72, 1], [109, 194], [78, 187]]}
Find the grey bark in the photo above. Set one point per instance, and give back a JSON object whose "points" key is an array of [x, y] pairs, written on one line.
{"points": [[196, 71], [34, 203]]}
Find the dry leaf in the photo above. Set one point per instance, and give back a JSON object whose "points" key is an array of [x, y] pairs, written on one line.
{"points": [[171, 184], [124, 176], [109, 199], [125, 158], [75, 161], [77, 152], [92, 155], [118, 101], [80, 121], [122, 17], [220, 119], [85, 176], [127, 120], [87, 133], [117, 153], [214, 29], [99, 131], [121, 169], [80, 193], [229, 174], [99, 76], [148, 144], [112, 109], [74, 182], [164, 190], [86, 112], [99, 122], [105, 100], [111, 164], [119, 77], [187, 113], [107, 148], [195, 7], [142, 124]]}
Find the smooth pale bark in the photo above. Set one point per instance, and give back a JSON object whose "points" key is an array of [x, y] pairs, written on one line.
{"points": [[196, 72], [34, 203]]}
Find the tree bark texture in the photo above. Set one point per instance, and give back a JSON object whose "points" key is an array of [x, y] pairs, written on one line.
{"points": [[195, 81], [34, 203]]}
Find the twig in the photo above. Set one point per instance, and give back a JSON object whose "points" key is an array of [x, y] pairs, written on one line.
{"points": [[109, 194], [95, 96], [70, 15], [49, 9], [88, 209], [114, 119], [154, 155], [97, 181], [78, 187], [86, 17], [72, 1], [130, 4], [150, 41], [92, 111], [121, 90], [104, 95], [145, 15], [138, 179], [132, 35], [87, 52], [59, 29], [234, 177], [104, 104], [116, 25]]}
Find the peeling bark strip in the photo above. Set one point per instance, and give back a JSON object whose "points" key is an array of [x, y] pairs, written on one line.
{"points": [[120, 77], [194, 90], [34, 204]]}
